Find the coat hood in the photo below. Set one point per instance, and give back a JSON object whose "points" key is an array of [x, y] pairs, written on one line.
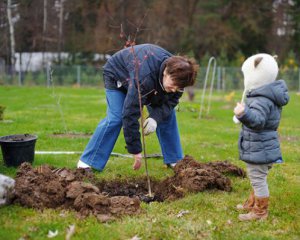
{"points": [[276, 91]]}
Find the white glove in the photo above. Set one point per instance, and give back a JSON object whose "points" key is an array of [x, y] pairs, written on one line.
{"points": [[7, 185], [150, 126], [235, 120]]}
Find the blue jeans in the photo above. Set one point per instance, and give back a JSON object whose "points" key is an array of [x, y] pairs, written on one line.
{"points": [[101, 144]]}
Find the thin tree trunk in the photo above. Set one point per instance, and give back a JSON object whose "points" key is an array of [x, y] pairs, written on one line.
{"points": [[60, 40], [60, 31], [44, 31], [11, 34]]}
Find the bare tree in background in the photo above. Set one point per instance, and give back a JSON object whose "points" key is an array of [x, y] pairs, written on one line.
{"points": [[282, 28], [44, 30], [60, 28], [3, 36], [190, 27], [11, 34]]}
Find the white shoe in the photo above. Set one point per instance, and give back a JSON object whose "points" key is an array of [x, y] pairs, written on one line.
{"points": [[171, 165], [81, 164]]}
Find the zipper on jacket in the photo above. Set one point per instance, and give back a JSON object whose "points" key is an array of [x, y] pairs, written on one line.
{"points": [[149, 93]]}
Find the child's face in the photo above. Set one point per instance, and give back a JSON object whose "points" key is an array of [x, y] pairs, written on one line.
{"points": [[169, 84]]}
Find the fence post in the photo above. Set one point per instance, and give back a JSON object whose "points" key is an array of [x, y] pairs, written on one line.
{"points": [[20, 77], [223, 79], [20, 69], [78, 75], [219, 79], [48, 74], [299, 80]]}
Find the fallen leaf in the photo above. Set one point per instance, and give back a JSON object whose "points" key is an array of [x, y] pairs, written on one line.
{"points": [[33, 229], [182, 212], [62, 214], [136, 237], [52, 234], [70, 232]]}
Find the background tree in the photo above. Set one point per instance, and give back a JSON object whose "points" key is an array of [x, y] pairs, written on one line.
{"points": [[215, 27], [295, 13], [280, 39]]}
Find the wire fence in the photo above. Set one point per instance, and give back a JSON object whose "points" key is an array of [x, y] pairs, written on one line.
{"points": [[226, 78]]}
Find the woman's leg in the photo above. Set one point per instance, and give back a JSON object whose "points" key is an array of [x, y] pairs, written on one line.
{"points": [[101, 144], [169, 139]]}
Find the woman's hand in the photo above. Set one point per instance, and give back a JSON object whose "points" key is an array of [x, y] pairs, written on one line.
{"points": [[137, 161], [150, 126]]}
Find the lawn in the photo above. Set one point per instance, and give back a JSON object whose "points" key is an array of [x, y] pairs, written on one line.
{"points": [[47, 112]]}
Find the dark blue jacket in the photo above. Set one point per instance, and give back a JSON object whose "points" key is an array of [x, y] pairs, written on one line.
{"points": [[146, 63], [258, 141]]}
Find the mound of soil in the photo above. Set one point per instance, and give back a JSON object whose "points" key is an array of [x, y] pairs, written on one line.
{"points": [[47, 187]]}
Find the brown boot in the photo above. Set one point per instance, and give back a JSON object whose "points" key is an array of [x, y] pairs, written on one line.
{"points": [[248, 204], [258, 212]]}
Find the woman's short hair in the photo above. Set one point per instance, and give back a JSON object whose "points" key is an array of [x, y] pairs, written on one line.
{"points": [[183, 70]]}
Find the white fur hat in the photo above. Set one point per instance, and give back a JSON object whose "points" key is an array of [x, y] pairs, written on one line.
{"points": [[259, 70]]}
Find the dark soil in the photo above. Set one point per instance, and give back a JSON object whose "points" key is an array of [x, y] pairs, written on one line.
{"points": [[47, 187], [71, 135]]}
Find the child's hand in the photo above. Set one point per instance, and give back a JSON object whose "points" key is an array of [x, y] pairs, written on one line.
{"points": [[239, 109]]}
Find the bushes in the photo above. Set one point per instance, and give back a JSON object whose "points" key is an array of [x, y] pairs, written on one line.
{"points": [[2, 108]]}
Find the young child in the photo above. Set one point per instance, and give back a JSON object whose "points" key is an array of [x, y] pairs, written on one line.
{"points": [[258, 141]]}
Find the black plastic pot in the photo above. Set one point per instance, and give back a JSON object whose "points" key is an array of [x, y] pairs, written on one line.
{"points": [[17, 149]]}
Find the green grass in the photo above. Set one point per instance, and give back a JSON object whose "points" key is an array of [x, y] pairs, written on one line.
{"points": [[212, 214]]}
